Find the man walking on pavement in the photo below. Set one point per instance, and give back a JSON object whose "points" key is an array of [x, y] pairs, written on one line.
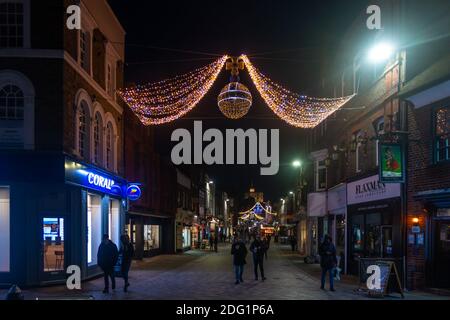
{"points": [[107, 258], [328, 261], [216, 242], [239, 252], [258, 249]]}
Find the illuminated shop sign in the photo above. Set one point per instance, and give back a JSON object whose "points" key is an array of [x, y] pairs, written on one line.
{"points": [[133, 192], [90, 178]]}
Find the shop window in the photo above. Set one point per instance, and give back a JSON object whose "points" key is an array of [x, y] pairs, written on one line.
{"points": [[321, 175], [442, 134], [53, 244], [83, 130], [85, 51], [114, 221], [151, 237], [5, 250], [94, 228], [98, 139], [379, 130], [110, 152], [186, 237], [12, 24], [358, 235]]}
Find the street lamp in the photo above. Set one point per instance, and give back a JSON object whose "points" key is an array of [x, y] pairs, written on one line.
{"points": [[297, 164], [211, 182], [381, 52]]}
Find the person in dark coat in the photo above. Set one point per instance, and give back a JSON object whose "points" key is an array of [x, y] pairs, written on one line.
{"points": [[216, 243], [293, 240], [327, 252], [107, 258], [127, 252], [239, 252], [211, 242], [258, 249]]}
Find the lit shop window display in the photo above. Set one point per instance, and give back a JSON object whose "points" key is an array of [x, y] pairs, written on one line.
{"points": [[94, 226], [53, 244], [151, 237], [4, 230]]}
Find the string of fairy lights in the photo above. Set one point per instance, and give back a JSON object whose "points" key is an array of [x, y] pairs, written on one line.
{"points": [[168, 100], [297, 110]]}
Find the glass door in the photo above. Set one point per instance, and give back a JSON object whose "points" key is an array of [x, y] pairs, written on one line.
{"points": [[52, 247], [386, 241], [442, 255]]}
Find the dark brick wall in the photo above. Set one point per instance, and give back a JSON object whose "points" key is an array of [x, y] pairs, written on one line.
{"points": [[423, 175]]}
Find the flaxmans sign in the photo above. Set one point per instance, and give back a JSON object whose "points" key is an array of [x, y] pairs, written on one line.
{"points": [[371, 189]]}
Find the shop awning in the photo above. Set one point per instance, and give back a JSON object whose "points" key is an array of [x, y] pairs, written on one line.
{"points": [[317, 204]]}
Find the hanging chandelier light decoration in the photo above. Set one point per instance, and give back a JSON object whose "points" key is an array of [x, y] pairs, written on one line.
{"points": [[168, 100], [297, 110], [235, 99]]}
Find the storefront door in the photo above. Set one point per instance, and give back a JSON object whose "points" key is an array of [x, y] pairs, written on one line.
{"points": [[52, 248], [386, 242], [441, 276]]}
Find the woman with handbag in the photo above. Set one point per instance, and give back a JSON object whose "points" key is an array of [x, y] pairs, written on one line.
{"points": [[126, 252]]}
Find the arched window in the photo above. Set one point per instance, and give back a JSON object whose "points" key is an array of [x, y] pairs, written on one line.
{"points": [[83, 130], [110, 147], [11, 103], [98, 138], [16, 111]]}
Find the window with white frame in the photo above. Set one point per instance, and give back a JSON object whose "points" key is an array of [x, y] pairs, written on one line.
{"points": [[110, 147], [85, 50], [12, 24], [98, 138], [442, 134], [359, 150], [83, 130], [379, 128], [321, 175], [12, 103]]}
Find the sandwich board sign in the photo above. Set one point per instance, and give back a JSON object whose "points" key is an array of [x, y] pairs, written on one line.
{"points": [[389, 280]]}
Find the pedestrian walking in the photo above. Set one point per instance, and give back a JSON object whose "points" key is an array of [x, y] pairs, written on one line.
{"points": [[211, 242], [327, 252], [107, 256], [293, 240], [216, 243], [258, 249], [127, 252], [239, 252], [266, 243]]}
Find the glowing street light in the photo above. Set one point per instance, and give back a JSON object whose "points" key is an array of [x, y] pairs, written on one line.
{"points": [[381, 52], [297, 164]]}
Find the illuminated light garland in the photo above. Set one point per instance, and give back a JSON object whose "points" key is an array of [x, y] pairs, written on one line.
{"points": [[234, 100], [168, 100], [297, 110]]}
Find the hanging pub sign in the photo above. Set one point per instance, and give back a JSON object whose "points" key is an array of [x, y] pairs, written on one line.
{"points": [[392, 163]]}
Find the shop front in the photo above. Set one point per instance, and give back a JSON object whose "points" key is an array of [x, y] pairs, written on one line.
{"points": [[374, 222], [183, 232], [53, 213], [337, 218], [317, 221], [429, 240], [149, 233]]}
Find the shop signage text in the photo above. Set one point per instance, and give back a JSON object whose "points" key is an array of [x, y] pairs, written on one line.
{"points": [[99, 181], [371, 189]]}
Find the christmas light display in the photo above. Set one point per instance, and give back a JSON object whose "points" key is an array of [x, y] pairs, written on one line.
{"points": [[297, 110], [168, 100], [234, 100]]}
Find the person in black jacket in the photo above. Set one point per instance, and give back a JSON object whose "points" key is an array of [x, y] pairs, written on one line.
{"points": [[258, 249], [127, 252], [327, 252], [239, 252], [107, 258]]}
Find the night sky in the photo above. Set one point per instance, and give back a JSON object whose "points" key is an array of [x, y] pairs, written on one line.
{"points": [[291, 41]]}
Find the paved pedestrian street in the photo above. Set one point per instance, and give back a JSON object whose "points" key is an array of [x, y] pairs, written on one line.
{"points": [[205, 275]]}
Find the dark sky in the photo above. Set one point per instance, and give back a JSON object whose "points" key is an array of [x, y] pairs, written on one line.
{"points": [[297, 37]]}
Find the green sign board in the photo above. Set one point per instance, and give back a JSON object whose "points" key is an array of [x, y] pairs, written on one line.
{"points": [[391, 163]]}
